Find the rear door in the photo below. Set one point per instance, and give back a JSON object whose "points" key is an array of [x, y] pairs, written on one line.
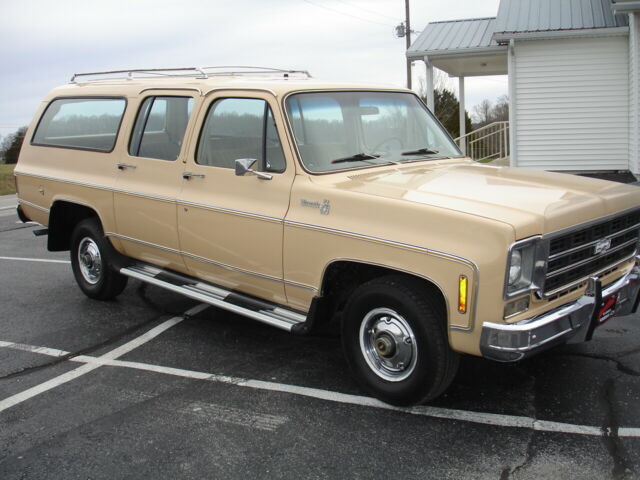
{"points": [[149, 178]]}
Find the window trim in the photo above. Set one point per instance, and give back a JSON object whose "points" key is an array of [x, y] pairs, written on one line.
{"points": [[264, 137], [75, 97], [146, 120]]}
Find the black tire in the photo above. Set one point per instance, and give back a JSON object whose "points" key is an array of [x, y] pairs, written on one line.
{"points": [[90, 262], [380, 316]]}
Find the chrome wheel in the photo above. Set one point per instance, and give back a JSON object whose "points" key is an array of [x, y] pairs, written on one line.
{"points": [[89, 260], [388, 344]]}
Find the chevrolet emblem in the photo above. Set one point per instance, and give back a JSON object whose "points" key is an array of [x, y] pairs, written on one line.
{"points": [[602, 246]]}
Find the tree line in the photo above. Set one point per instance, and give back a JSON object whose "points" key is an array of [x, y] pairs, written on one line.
{"points": [[10, 146]]}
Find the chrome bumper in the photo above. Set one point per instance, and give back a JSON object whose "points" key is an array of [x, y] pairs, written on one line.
{"points": [[573, 322]]}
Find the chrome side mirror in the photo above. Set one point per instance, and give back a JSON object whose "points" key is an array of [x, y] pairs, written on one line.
{"points": [[243, 166]]}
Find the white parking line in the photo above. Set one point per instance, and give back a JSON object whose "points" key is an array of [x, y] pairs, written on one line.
{"points": [[43, 260], [10, 207], [492, 419], [88, 367]]}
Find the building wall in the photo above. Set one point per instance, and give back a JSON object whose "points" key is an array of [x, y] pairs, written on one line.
{"points": [[572, 103], [634, 94]]}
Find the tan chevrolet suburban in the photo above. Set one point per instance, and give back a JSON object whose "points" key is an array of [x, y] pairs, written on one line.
{"points": [[306, 204]]}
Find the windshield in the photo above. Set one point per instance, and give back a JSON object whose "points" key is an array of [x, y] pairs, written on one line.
{"points": [[338, 130]]}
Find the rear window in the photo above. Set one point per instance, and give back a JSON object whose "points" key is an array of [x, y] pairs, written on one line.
{"points": [[85, 123]]}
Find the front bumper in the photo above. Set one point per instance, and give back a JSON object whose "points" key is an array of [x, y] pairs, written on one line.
{"points": [[573, 322]]}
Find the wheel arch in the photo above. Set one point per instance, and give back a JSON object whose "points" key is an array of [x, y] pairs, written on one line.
{"points": [[64, 215], [335, 288]]}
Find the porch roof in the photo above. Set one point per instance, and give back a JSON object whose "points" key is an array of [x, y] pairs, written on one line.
{"points": [[461, 47]]}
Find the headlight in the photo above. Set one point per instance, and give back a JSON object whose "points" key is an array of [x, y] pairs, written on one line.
{"points": [[520, 268], [515, 267]]}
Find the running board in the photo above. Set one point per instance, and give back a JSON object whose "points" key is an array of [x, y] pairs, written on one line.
{"points": [[262, 311]]}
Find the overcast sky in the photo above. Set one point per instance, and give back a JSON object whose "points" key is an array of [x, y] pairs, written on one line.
{"points": [[43, 42]]}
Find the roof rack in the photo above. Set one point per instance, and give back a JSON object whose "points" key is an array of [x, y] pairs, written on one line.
{"points": [[197, 72]]}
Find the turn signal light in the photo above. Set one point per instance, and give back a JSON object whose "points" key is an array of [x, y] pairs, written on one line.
{"points": [[463, 284]]}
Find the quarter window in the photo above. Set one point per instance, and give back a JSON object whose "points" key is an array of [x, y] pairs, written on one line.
{"points": [[240, 128], [160, 126], [85, 123]]}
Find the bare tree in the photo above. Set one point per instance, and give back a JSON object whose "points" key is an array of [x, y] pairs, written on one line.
{"points": [[441, 82], [500, 112], [482, 113]]}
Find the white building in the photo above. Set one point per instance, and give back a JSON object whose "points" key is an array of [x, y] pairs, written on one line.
{"points": [[574, 78]]}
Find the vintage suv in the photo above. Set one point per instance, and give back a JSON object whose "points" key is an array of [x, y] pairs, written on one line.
{"points": [[305, 204]]}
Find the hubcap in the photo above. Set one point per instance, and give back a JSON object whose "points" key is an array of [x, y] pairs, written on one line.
{"points": [[388, 344], [89, 260]]}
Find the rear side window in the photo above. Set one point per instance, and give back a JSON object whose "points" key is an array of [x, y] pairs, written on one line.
{"points": [[85, 123], [160, 126]]}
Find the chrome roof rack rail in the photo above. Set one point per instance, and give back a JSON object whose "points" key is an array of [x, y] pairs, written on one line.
{"points": [[197, 72], [252, 70]]}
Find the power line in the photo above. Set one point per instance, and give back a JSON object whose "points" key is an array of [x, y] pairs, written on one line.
{"points": [[395, 19], [348, 14]]}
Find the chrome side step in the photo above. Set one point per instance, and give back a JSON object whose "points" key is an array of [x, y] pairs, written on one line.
{"points": [[262, 311]]}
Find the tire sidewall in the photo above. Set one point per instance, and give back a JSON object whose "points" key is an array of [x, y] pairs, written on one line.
{"points": [[88, 229], [430, 346]]}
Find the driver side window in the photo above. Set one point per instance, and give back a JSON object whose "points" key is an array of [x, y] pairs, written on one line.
{"points": [[238, 128]]}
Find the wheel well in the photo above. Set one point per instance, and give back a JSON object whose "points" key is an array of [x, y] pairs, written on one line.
{"points": [[341, 278], [63, 218]]}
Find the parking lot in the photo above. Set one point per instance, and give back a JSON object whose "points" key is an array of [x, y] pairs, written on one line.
{"points": [[154, 385]]}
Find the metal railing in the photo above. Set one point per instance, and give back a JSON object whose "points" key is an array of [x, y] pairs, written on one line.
{"points": [[487, 143]]}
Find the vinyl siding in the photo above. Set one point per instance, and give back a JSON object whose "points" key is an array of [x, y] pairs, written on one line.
{"points": [[634, 97], [572, 103]]}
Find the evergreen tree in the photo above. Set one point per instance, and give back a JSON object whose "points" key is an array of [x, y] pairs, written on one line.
{"points": [[10, 148], [447, 110]]}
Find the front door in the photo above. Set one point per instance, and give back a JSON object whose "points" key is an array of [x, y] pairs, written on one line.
{"points": [[231, 227]]}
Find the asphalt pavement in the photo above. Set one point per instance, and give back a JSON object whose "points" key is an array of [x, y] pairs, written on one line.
{"points": [[153, 385]]}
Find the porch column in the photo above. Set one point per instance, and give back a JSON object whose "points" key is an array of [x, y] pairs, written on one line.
{"points": [[463, 123], [513, 128], [430, 85]]}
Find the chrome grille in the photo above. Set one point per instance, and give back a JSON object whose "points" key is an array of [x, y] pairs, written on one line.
{"points": [[587, 251]]}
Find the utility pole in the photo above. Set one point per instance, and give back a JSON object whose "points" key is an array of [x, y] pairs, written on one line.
{"points": [[408, 38]]}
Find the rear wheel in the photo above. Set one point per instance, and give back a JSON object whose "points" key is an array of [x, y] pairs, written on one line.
{"points": [[89, 262], [395, 341]]}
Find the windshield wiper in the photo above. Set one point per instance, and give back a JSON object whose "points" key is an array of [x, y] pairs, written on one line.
{"points": [[358, 157], [421, 151]]}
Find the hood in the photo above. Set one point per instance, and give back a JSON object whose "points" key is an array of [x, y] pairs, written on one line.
{"points": [[531, 201]]}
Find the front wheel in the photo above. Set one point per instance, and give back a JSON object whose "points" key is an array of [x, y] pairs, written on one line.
{"points": [[89, 262], [395, 341]]}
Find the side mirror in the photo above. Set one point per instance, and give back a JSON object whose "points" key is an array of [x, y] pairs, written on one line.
{"points": [[243, 166]]}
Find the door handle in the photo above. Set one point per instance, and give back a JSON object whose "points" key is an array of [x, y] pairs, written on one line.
{"points": [[122, 166], [188, 175]]}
